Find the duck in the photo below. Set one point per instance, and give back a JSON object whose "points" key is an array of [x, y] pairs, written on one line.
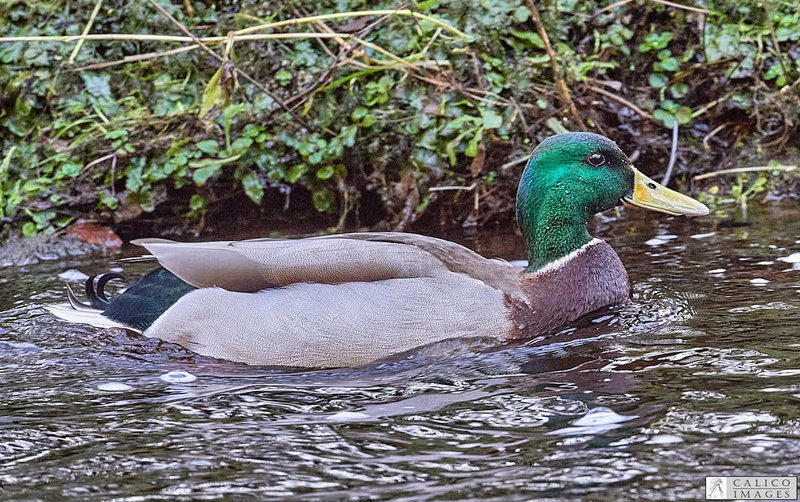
{"points": [[351, 299]]}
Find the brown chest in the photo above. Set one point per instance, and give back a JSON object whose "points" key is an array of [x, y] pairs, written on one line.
{"points": [[591, 279]]}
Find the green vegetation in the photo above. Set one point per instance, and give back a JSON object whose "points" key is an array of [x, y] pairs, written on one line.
{"points": [[393, 103]]}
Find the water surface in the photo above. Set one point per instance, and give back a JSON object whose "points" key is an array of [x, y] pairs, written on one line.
{"points": [[697, 375]]}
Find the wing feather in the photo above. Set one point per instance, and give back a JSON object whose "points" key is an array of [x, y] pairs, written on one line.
{"points": [[261, 263]]}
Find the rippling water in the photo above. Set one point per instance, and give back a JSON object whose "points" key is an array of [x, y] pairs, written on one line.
{"points": [[697, 375]]}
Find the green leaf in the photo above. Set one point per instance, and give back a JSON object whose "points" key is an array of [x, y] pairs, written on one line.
{"points": [[670, 64], [684, 115], [211, 94], [325, 173], [773, 72], [323, 200], [198, 203], [97, 85], [491, 120], [359, 113], [283, 77], [253, 186], [241, 144], [658, 80], [679, 90], [69, 169], [29, 229], [3, 169], [472, 147], [133, 182], [530, 37], [664, 117], [296, 172], [208, 146], [107, 200], [200, 176], [521, 14]]}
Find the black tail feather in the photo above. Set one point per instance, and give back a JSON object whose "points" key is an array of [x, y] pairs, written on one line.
{"points": [[96, 294], [101, 284], [77, 304]]}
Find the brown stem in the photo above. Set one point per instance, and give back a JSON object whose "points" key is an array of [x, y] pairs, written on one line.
{"points": [[561, 86]]}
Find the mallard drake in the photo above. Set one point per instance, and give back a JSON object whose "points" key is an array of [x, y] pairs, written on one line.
{"points": [[344, 300]]}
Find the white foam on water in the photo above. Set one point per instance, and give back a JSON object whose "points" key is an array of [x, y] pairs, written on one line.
{"points": [[758, 281], [717, 271], [702, 236], [178, 376]]}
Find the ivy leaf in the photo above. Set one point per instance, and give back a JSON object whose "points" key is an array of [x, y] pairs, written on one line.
{"points": [[200, 176], [253, 186], [491, 120], [658, 80], [283, 77], [521, 14], [29, 229], [68, 169], [323, 200], [97, 85], [670, 64], [133, 182], [664, 117], [296, 172], [529, 37], [684, 115], [326, 172], [208, 146]]}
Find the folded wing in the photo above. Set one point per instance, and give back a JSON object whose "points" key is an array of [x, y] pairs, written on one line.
{"points": [[254, 265]]}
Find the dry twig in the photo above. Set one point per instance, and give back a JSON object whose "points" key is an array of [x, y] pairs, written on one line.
{"points": [[621, 100], [744, 170], [85, 31]]}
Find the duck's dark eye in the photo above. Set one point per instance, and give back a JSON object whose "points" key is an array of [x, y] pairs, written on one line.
{"points": [[597, 159]]}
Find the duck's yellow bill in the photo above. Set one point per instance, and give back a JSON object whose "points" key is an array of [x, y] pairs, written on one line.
{"points": [[654, 196]]}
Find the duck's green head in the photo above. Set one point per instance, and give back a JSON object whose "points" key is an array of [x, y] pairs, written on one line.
{"points": [[571, 177]]}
